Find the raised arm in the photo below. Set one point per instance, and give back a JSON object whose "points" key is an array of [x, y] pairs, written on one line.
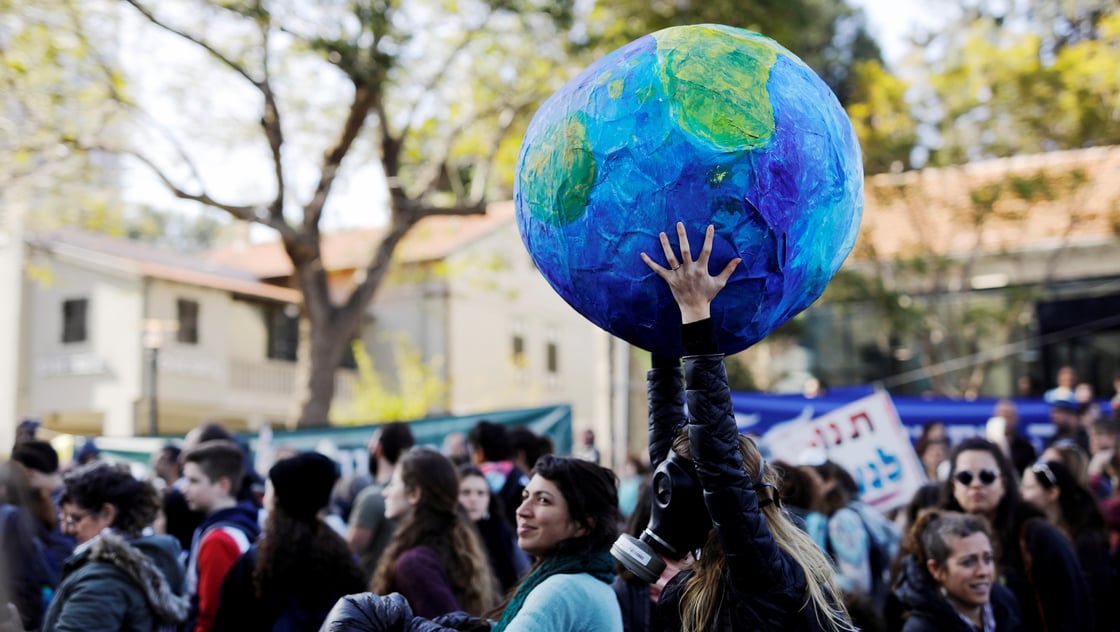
{"points": [[757, 564], [665, 389]]}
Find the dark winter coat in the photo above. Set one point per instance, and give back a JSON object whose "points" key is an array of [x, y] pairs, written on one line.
{"points": [[764, 587], [241, 610], [928, 611], [118, 585]]}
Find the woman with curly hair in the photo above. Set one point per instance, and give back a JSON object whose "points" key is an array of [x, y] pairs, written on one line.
{"points": [[436, 558], [116, 579], [290, 578]]}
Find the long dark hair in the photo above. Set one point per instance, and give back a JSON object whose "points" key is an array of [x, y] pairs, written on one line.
{"points": [[438, 522], [591, 492], [1011, 512], [1080, 513], [303, 559], [495, 531]]}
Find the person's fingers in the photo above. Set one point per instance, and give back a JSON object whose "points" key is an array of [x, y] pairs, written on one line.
{"points": [[686, 250], [670, 257], [727, 270], [706, 250], [653, 265]]}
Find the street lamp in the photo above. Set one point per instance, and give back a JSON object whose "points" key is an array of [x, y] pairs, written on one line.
{"points": [[153, 340]]}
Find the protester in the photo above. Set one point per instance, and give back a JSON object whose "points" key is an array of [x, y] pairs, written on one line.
{"points": [[528, 446], [214, 471], [1037, 563], [948, 581], [586, 449], [24, 571], [369, 530], [1070, 507], [1017, 447], [756, 569], [492, 452], [436, 559], [290, 579], [1072, 455], [41, 466], [567, 521], [507, 561], [117, 579], [1065, 415]]}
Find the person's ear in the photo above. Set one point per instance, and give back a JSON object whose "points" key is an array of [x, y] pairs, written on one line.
{"points": [[108, 512], [583, 529], [413, 496], [935, 570], [226, 484]]}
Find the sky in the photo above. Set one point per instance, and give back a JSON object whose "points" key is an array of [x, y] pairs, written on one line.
{"points": [[892, 20]]}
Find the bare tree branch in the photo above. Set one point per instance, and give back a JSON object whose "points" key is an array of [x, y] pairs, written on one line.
{"points": [[364, 100], [245, 212], [236, 67], [273, 130]]}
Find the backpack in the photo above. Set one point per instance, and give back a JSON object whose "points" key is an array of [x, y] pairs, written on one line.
{"points": [[884, 539], [883, 542]]}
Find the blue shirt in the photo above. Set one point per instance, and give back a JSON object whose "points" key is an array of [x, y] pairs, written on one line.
{"points": [[569, 603]]}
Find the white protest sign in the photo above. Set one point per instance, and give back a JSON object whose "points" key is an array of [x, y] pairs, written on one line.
{"points": [[865, 437]]}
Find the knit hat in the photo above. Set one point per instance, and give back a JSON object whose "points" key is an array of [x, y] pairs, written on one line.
{"points": [[303, 484]]}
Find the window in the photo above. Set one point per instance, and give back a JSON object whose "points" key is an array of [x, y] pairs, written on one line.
{"points": [[188, 322], [283, 332], [519, 351], [553, 360], [74, 320]]}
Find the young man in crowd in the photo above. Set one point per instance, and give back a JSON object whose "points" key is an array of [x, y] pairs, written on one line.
{"points": [[214, 471]]}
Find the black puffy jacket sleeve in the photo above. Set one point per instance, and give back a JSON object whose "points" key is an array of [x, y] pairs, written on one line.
{"points": [[764, 579], [665, 390]]}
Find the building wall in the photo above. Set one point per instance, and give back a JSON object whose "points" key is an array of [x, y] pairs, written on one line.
{"points": [[85, 387], [496, 293]]}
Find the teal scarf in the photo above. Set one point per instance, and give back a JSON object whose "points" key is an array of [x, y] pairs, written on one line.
{"points": [[599, 565]]}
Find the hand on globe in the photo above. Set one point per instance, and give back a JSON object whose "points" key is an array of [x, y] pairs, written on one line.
{"points": [[692, 284]]}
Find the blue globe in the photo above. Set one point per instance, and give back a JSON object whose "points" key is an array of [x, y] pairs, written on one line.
{"points": [[700, 124]]}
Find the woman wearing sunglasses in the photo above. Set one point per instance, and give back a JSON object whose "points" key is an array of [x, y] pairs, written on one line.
{"points": [[1069, 506], [1035, 561]]}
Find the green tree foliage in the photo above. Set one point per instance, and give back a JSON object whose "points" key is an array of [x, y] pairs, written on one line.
{"points": [[829, 35], [53, 88], [881, 116], [924, 298], [1026, 81]]}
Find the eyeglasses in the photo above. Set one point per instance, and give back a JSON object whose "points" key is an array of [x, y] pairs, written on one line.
{"points": [[987, 477], [73, 519], [1043, 468]]}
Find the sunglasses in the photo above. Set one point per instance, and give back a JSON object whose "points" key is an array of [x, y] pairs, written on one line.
{"points": [[987, 477], [1042, 469]]}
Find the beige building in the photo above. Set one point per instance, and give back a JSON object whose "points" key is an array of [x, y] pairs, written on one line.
{"points": [[463, 293]]}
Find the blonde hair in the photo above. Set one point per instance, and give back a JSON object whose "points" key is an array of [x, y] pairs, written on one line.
{"points": [[703, 591]]}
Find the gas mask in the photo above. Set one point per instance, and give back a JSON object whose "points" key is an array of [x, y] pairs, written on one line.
{"points": [[678, 523]]}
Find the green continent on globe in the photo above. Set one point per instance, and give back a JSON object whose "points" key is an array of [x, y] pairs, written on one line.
{"points": [[561, 157], [717, 86]]}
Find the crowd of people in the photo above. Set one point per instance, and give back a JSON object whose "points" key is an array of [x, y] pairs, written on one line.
{"points": [[495, 532]]}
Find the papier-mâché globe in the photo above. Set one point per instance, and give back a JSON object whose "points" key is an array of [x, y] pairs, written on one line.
{"points": [[700, 124]]}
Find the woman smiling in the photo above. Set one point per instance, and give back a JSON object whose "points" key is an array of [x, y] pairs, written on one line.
{"points": [[948, 582]]}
